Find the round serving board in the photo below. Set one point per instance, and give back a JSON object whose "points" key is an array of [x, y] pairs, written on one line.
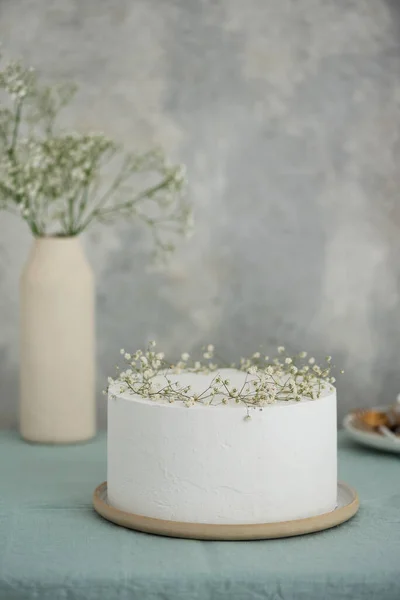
{"points": [[347, 507]]}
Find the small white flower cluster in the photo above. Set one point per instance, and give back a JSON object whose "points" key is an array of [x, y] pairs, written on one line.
{"points": [[57, 182], [283, 378], [51, 173], [17, 81]]}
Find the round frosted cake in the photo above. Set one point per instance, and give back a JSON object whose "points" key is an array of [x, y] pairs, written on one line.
{"points": [[221, 463]]}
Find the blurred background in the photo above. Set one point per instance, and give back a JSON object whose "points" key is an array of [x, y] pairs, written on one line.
{"points": [[287, 116]]}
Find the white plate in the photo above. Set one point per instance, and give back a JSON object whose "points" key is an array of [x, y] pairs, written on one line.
{"points": [[374, 440]]}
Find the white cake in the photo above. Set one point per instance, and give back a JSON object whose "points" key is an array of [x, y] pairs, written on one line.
{"points": [[211, 464]]}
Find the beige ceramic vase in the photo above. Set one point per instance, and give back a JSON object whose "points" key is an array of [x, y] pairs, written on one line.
{"points": [[57, 382]]}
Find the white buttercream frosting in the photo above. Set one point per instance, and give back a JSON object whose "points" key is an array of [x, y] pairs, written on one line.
{"points": [[208, 464]]}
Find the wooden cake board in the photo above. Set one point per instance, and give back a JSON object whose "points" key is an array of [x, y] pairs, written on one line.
{"points": [[347, 507]]}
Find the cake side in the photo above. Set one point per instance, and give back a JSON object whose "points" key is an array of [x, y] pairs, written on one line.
{"points": [[209, 464]]}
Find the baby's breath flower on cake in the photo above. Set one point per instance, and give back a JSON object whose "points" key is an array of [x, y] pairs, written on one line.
{"points": [[149, 375]]}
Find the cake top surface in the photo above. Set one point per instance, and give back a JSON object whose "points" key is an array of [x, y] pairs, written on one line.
{"points": [[199, 384]]}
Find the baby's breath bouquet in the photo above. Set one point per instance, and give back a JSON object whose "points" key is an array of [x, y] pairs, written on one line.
{"points": [[60, 183]]}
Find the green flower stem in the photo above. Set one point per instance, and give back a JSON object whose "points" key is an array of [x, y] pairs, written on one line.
{"points": [[100, 213], [17, 122]]}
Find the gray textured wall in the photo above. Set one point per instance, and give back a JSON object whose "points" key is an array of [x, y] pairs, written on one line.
{"points": [[287, 114]]}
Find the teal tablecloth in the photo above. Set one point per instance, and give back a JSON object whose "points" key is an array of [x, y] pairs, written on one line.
{"points": [[53, 546]]}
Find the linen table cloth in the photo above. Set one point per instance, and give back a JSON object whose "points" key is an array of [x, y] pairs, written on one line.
{"points": [[54, 546]]}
